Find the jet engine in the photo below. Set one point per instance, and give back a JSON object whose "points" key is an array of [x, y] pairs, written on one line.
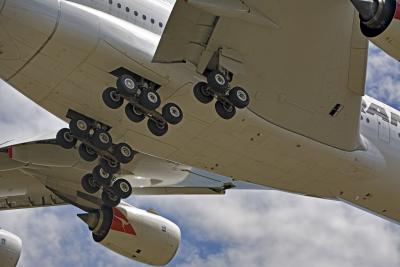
{"points": [[379, 22], [137, 234], [10, 249]]}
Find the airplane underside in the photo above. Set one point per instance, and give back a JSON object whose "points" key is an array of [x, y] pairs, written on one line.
{"points": [[81, 64]]}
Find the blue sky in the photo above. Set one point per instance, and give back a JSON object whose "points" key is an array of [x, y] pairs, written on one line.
{"points": [[265, 228]]}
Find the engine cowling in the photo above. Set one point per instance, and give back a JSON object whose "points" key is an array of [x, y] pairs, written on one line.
{"points": [[134, 233], [10, 249], [380, 23]]}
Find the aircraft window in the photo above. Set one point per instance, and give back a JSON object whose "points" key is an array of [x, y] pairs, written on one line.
{"points": [[110, 2], [127, 9], [367, 120], [375, 109], [144, 17], [363, 106], [362, 117], [119, 5], [160, 24], [136, 13], [152, 21], [394, 119]]}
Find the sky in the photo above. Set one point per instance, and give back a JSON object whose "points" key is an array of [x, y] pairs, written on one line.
{"points": [[246, 228]]}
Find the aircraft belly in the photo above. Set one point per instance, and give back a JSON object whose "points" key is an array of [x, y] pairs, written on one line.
{"points": [[74, 67]]}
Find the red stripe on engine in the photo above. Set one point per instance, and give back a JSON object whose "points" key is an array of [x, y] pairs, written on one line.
{"points": [[10, 152], [121, 224], [397, 14]]}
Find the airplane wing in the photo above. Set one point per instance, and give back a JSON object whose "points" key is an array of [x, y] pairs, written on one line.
{"points": [[41, 173], [303, 65]]}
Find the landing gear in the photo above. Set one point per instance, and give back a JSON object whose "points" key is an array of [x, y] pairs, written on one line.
{"points": [[96, 143], [65, 139], [143, 102], [89, 184], [218, 87]]}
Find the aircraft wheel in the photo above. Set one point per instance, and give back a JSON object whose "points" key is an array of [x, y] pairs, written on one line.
{"points": [[89, 184], [101, 176], [225, 110], [217, 81], [123, 152], [110, 199], [202, 93], [122, 188], [150, 99], [79, 127], [102, 140], [127, 85], [239, 97], [65, 139], [110, 166], [112, 98], [158, 129], [133, 113], [87, 153], [172, 113]]}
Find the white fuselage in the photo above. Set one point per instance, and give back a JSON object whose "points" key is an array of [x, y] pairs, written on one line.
{"points": [[78, 43]]}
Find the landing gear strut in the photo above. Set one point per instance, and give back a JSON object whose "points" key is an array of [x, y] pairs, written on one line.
{"points": [[143, 101], [228, 100], [96, 143]]}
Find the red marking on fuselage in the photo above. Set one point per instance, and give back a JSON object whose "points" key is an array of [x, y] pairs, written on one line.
{"points": [[10, 152], [120, 223]]}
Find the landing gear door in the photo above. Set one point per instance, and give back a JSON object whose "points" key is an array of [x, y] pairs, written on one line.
{"points": [[383, 130]]}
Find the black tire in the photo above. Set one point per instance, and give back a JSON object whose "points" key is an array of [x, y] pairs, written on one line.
{"points": [[122, 188], [101, 176], [110, 166], [127, 85], [225, 111], [133, 113], [89, 184], [102, 140], [202, 93], [80, 127], [123, 153], [112, 98], [172, 113], [158, 129], [110, 200], [87, 153], [239, 97], [217, 81], [150, 99], [65, 139]]}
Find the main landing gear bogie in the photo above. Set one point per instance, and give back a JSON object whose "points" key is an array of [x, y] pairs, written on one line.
{"points": [[143, 102], [228, 99], [96, 143]]}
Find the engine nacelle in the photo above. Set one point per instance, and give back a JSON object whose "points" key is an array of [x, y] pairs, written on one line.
{"points": [[10, 249], [135, 233], [380, 23]]}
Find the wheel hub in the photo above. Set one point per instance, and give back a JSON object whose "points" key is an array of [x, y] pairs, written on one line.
{"points": [[175, 112], [152, 97], [241, 95], [104, 138], [90, 151], [115, 96], [124, 187], [125, 151], [91, 182], [68, 137], [220, 79], [104, 174], [129, 83], [82, 125]]}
